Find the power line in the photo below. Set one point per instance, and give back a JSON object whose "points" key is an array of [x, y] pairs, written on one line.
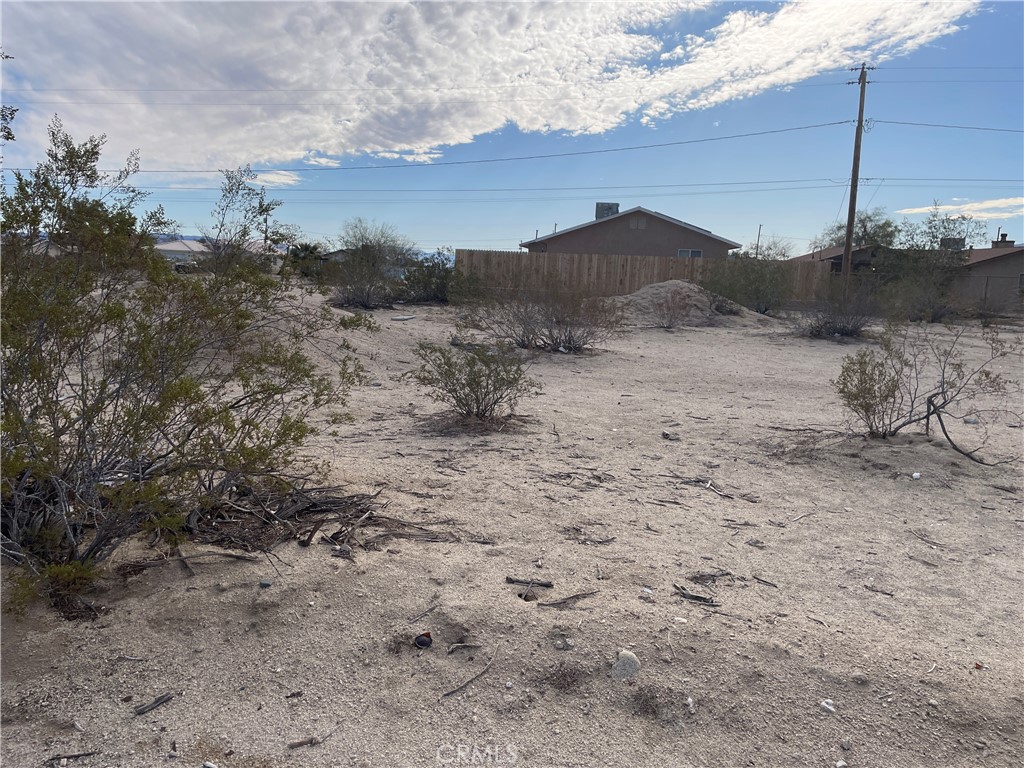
{"points": [[578, 153], [957, 127]]}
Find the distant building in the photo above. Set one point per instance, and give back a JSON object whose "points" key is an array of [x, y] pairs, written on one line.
{"points": [[635, 232]]}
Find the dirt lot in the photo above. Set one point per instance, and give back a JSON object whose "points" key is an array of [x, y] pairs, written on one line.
{"points": [[837, 575]]}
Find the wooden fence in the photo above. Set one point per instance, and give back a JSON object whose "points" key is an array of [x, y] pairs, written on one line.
{"points": [[604, 275]]}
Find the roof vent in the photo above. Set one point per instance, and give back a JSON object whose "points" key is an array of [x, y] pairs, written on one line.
{"points": [[604, 210]]}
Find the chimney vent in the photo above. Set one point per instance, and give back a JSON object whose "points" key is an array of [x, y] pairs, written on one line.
{"points": [[604, 210]]}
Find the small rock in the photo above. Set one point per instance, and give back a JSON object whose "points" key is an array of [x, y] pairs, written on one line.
{"points": [[846, 745], [508, 683], [626, 666], [916, 476], [669, 435], [691, 706], [403, 318], [208, 764], [265, 584], [841, 764], [828, 706], [859, 678], [980, 744], [933, 703], [172, 755], [972, 420]]}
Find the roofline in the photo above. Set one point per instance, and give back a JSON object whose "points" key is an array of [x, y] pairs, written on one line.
{"points": [[669, 219]]}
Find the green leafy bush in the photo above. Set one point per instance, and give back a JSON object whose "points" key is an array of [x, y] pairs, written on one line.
{"points": [[131, 393], [474, 380], [430, 278]]}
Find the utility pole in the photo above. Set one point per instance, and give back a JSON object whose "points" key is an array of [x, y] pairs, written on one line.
{"points": [[852, 216], [757, 245]]}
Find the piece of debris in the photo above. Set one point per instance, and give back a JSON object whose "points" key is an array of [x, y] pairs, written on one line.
{"points": [[568, 602], [403, 318], [311, 741], [846, 745], [64, 758], [487, 666], [157, 702], [879, 590], [265, 584], [756, 543], [342, 550], [688, 595], [626, 666], [423, 640], [828, 706], [529, 582], [670, 435]]}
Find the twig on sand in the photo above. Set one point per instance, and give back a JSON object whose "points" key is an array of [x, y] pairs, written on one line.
{"points": [[453, 691], [879, 590], [158, 701], [801, 517], [568, 602], [311, 741], [419, 616], [529, 582], [765, 581], [58, 758], [687, 594]]}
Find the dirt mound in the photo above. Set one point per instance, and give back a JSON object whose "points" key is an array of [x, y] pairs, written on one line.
{"points": [[688, 304]]}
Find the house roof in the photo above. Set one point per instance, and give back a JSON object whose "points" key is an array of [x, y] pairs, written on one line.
{"points": [[978, 255], [638, 209], [831, 254], [182, 246]]}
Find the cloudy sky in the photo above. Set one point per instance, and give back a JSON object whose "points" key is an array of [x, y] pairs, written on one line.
{"points": [[477, 124]]}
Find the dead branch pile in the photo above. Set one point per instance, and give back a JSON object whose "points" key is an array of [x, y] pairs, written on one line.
{"points": [[252, 521]]}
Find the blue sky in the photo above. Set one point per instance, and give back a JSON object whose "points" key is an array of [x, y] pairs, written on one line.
{"points": [[384, 110]]}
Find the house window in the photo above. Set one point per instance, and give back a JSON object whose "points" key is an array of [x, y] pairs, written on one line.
{"points": [[690, 253], [638, 221]]}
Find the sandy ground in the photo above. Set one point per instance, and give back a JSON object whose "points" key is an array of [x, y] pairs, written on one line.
{"points": [[838, 577]]}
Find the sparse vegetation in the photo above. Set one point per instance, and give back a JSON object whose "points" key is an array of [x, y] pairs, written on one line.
{"points": [[671, 309], [556, 318], [372, 264], [475, 380], [845, 308], [759, 283], [133, 396], [916, 374], [430, 278]]}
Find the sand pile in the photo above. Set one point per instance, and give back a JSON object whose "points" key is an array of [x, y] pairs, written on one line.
{"points": [[689, 304]]}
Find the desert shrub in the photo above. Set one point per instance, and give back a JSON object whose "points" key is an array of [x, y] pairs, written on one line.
{"points": [[132, 394], [917, 284], [845, 307], [915, 375], [474, 380], [670, 308], [555, 317], [760, 284], [372, 264], [430, 278]]}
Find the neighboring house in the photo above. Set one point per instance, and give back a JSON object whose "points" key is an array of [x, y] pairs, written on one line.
{"points": [[994, 277], [636, 232], [182, 251], [860, 258]]}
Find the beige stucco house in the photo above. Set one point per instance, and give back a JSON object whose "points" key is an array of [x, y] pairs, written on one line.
{"points": [[994, 277], [636, 232]]}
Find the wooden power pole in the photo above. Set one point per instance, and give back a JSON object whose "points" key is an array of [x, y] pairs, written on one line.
{"points": [[852, 215]]}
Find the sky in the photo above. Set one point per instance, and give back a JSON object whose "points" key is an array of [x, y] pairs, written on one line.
{"points": [[481, 124]]}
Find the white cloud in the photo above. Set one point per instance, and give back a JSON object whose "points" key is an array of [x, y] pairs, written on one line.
{"points": [[999, 208], [222, 84], [278, 178]]}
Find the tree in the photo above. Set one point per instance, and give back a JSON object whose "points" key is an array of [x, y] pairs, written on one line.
{"points": [[131, 393], [7, 113], [870, 228], [939, 226], [375, 256], [242, 230]]}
